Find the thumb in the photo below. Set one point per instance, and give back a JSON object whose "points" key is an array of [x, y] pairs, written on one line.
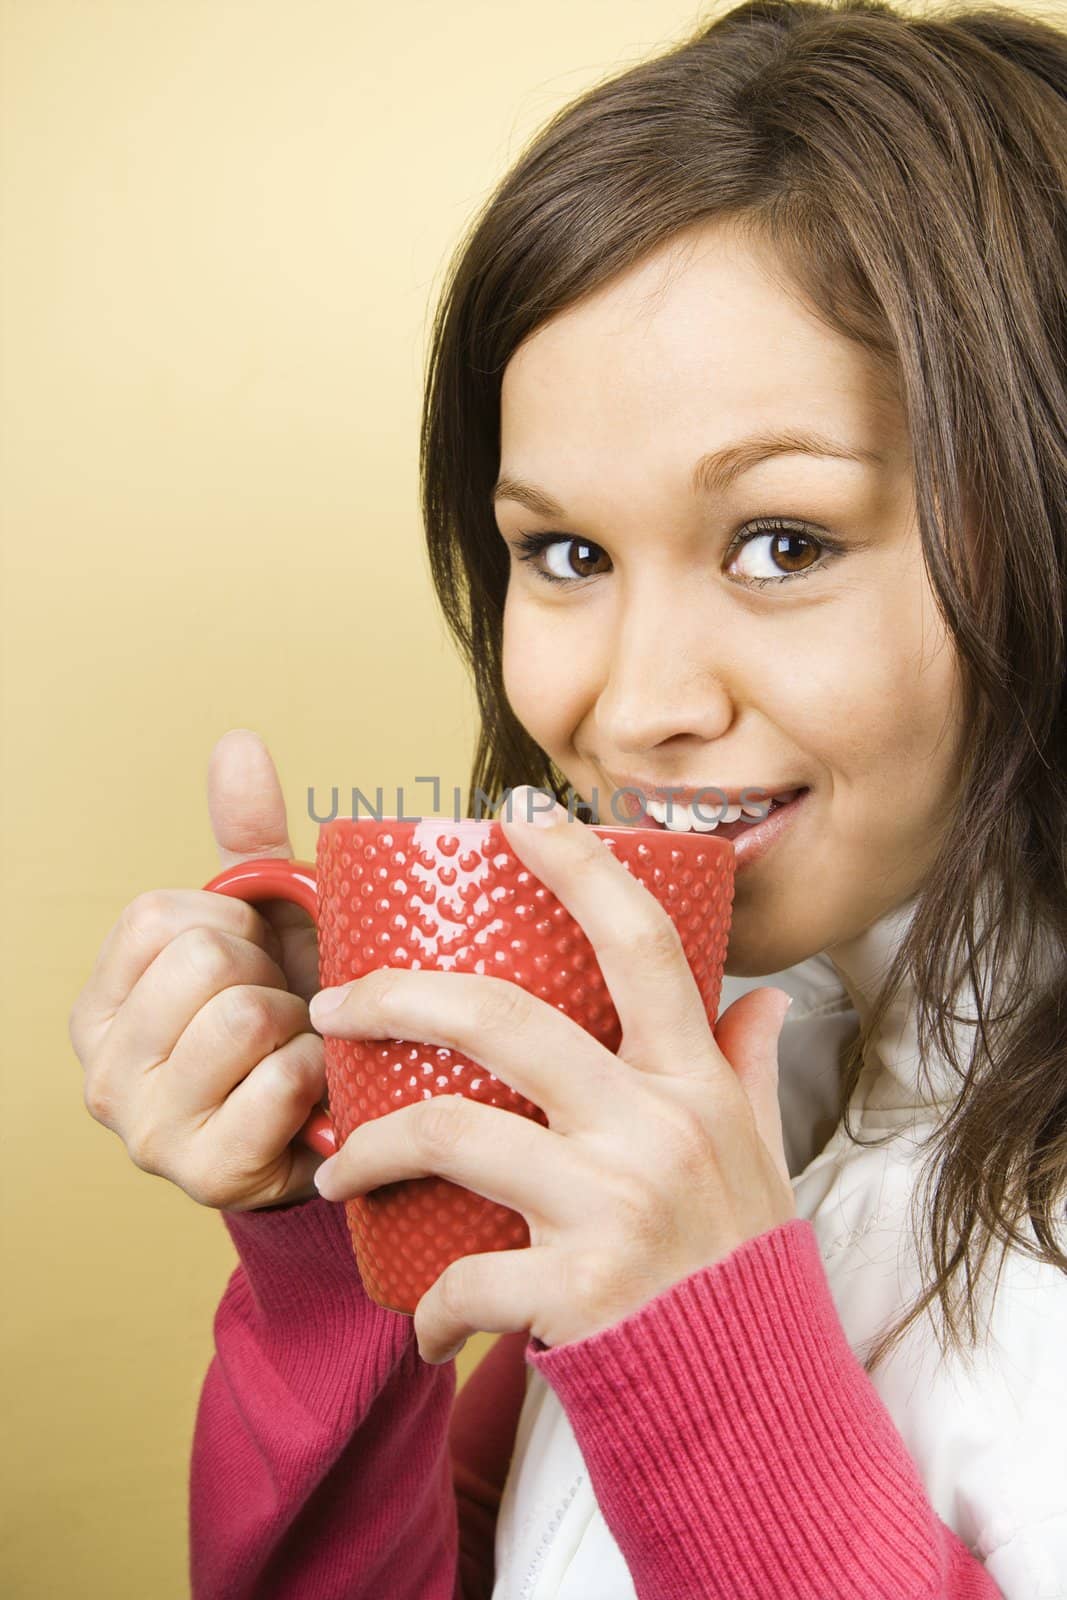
{"points": [[247, 809], [245, 800], [747, 1033]]}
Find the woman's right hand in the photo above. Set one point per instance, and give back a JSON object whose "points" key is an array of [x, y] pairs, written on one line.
{"points": [[193, 1027]]}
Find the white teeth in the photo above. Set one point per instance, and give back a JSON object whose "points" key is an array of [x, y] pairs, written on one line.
{"points": [[679, 818], [680, 824], [682, 819]]}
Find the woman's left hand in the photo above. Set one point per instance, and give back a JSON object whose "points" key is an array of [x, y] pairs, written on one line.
{"points": [[656, 1161]]}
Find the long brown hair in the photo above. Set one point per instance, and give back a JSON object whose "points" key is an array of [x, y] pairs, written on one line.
{"points": [[911, 171]]}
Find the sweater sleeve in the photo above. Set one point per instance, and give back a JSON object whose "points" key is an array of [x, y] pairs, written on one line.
{"points": [[760, 1459], [321, 1466]]}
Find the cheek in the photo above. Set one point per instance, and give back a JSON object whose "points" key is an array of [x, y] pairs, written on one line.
{"points": [[884, 707], [541, 680]]}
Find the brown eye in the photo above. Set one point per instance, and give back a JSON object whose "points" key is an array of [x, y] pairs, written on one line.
{"points": [[787, 553], [560, 557], [582, 557], [792, 551]]}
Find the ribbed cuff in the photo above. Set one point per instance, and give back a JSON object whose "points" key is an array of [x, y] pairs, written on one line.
{"points": [[312, 1236], [301, 1273], [735, 1444]]}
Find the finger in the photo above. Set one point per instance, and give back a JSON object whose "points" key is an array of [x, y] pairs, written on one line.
{"points": [[188, 972], [226, 1040], [268, 1107], [747, 1033], [496, 1153], [530, 1045], [245, 800], [638, 948], [144, 929], [497, 1291], [247, 810]]}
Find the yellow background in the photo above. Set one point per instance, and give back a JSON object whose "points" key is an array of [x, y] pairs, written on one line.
{"points": [[225, 225]]}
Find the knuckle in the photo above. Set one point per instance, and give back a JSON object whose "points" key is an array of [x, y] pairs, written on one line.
{"points": [[98, 1102], [661, 943], [656, 944], [143, 1149], [639, 1206], [209, 953], [248, 1018], [688, 1134], [250, 924], [384, 992], [147, 917], [438, 1125], [588, 854], [297, 1071], [628, 944], [501, 1005]]}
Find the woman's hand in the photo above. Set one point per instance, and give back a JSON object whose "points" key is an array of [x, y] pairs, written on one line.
{"points": [[656, 1161], [192, 1028]]}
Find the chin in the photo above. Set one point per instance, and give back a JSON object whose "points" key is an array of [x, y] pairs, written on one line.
{"points": [[755, 968], [752, 952]]}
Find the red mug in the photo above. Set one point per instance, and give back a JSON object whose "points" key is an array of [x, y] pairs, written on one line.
{"points": [[453, 896]]}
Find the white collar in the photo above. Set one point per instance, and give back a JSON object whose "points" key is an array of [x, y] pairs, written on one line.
{"points": [[895, 1084], [892, 1084]]}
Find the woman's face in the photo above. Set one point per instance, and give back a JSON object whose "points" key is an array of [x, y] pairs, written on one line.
{"points": [[660, 658]]}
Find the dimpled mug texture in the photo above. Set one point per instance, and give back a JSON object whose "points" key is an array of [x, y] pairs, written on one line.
{"points": [[453, 897]]}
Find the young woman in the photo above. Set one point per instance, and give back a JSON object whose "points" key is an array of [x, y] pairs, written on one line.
{"points": [[744, 465]]}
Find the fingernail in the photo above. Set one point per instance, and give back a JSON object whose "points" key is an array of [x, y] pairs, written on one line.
{"points": [[322, 1175], [536, 809], [326, 1000]]}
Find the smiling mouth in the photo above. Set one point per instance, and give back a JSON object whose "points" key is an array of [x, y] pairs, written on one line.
{"points": [[671, 816]]}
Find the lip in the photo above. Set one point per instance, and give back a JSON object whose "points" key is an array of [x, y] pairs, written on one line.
{"points": [[755, 842], [757, 839]]}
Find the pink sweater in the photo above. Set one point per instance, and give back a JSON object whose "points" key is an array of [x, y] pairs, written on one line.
{"points": [[329, 1461]]}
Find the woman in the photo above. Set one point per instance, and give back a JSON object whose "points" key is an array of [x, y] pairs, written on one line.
{"points": [[744, 463]]}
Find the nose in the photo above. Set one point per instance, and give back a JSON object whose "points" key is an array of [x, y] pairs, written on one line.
{"points": [[665, 678]]}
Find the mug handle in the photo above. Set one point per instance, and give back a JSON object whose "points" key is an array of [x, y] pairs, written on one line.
{"points": [[270, 878]]}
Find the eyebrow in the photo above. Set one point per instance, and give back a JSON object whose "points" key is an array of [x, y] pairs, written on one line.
{"points": [[713, 473]]}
